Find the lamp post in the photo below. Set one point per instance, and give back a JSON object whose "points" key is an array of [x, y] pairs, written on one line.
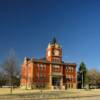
{"points": [[82, 79]]}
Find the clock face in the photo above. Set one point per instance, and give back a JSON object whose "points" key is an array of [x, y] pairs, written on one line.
{"points": [[49, 53], [56, 52]]}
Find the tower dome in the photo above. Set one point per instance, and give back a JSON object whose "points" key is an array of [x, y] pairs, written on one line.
{"points": [[54, 43]]}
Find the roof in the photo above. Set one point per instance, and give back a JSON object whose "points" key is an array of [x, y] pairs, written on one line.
{"points": [[48, 62], [54, 41]]}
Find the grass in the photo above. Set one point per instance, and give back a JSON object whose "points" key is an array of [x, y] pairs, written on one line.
{"points": [[29, 94]]}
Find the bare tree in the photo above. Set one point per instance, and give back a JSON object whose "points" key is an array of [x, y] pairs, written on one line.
{"points": [[93, 77], [10, 66], [98, 78]]}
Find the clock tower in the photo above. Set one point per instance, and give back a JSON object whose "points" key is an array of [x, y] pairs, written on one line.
{"points": [[54, 51]]}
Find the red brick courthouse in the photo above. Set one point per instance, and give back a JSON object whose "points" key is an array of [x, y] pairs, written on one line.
{"points": [[50, 72]]}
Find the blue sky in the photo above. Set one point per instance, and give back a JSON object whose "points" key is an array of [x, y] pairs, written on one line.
{"points": [[29, 25]]}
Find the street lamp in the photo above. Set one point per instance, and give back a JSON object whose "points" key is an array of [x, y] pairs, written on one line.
{"points": [[82, 79]]}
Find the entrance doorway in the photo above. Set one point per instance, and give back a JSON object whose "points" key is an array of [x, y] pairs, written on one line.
{"points": [[56, 82]]}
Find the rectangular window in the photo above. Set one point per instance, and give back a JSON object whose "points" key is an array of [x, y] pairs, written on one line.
{"points": [[41, 66], [71, 69], [66, 68], [56, 66]]}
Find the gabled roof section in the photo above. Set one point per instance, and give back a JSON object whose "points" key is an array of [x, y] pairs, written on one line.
{"points": [[68, 63]]}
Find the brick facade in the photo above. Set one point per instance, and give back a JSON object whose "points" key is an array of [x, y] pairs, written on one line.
{"points": [[50, 72]]}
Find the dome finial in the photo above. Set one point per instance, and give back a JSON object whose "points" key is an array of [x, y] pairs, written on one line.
{"points": [[53, 40]]}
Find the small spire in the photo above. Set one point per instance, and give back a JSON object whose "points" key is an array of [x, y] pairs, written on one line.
{"points": [[53, 40]]}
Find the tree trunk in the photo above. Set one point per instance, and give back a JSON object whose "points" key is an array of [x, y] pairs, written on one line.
{"points": [[11, 85]]}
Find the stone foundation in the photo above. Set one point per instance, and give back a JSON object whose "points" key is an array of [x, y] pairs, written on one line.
{"points": [[74, 86]]}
